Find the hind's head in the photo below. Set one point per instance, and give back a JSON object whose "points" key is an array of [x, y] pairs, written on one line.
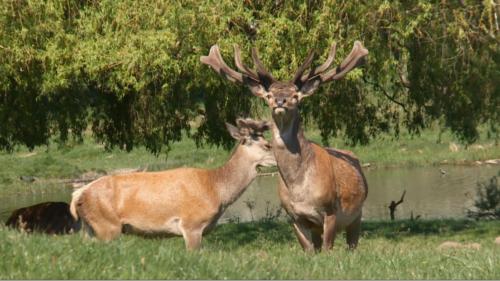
{"points": [[250, 134]]}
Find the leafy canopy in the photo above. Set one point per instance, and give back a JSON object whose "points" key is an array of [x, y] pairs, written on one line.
{"points": [[130, 70]]}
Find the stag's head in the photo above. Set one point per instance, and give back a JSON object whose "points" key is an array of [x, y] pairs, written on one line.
{"points": [[283, 98]]}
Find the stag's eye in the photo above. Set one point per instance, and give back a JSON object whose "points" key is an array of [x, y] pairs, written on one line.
{"points": [[269, 97], [295, 97]]}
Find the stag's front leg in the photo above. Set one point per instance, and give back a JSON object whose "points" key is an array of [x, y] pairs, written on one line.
{"points": [[317, 239], [304, 235], [329, 231]]}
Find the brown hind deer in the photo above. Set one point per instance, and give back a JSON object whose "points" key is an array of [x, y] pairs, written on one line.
{"points": [[322, 189], [46, 217], [184, 201]]}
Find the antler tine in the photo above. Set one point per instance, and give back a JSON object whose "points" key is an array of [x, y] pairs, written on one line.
{"points": [[322, 68], [242, 67], [214, 60], [263, 74], [328, 62], [354, 59], [298, 75]]}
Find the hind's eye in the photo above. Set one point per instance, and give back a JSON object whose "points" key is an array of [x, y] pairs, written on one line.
{"points": [[295, 97], [269, 97]]}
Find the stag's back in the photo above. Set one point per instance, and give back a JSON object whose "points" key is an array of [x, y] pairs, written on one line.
{"points": [[350, 181]]}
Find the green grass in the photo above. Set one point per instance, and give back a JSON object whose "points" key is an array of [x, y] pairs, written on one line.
{"points": [[421, 150], [72, 161], [387, 250]]}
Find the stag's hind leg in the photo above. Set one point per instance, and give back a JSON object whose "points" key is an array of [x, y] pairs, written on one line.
{"points": [[352, 233], [329, 231]]}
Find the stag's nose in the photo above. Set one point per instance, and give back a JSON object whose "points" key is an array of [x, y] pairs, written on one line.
{"points": [[280, 102]]}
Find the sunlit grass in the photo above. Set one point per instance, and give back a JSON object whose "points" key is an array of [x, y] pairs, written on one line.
{"points": [[388, 250], [418, 150]]}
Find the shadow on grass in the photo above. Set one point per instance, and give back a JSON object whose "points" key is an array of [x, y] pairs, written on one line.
{"points": [[237, 234], [233, 235], [405, 228]]}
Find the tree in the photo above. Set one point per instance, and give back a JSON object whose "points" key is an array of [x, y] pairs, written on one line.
{"points": [[130, 71]]}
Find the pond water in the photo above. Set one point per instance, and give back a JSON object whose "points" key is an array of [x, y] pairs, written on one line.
{"points": [[429, 194]]}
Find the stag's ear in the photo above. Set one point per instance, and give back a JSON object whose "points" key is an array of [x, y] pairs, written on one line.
{"points": [[233, 131], [256, 88], [309, 87]]}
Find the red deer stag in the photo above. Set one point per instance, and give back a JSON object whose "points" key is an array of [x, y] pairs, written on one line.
{"points": [[322, 189], [47, 217], [183, 201]]}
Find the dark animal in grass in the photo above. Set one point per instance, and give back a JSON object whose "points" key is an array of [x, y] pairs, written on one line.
{"points": [[47, 217]]}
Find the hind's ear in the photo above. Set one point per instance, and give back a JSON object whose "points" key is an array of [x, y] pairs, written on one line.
{"points": [[240, 122], [266, 125], [233, 131]]}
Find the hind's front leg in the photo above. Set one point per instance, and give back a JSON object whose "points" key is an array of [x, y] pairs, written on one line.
{"points": [[192, 238]]}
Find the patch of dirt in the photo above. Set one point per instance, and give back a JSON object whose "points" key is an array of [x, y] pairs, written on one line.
{"points": [[457, 245], [26, 155], [453, 147]]}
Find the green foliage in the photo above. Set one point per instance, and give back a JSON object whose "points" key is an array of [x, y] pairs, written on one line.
{"points": [[487, 204], [130, 70]]}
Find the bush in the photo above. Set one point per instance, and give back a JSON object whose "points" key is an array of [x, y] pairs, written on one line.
{"points": [[487, 204]]}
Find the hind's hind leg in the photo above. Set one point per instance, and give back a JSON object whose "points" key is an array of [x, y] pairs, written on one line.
{"points": [[86, 229], [100, 222], [352, 233], [106, 230], [101, 227]]}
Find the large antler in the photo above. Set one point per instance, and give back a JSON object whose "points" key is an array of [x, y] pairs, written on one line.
{"points": [[265, 77], [246, 74], [298, 75], [354, 59]]}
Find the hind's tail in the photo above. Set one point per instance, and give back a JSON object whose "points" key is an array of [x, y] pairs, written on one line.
{"points": [[75, 196]]}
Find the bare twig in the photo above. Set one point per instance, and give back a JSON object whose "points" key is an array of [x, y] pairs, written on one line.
{"points": [[393, 205]]}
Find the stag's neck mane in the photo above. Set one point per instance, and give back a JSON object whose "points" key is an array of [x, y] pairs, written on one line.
{"points": [[293, 152], [234, 176]]}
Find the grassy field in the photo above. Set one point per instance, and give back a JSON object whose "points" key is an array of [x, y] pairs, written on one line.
{"points": [[265, 250], [261, 250]]}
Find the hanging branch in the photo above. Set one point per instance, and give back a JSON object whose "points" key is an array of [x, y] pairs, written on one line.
{"points": [[384, 92]]}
